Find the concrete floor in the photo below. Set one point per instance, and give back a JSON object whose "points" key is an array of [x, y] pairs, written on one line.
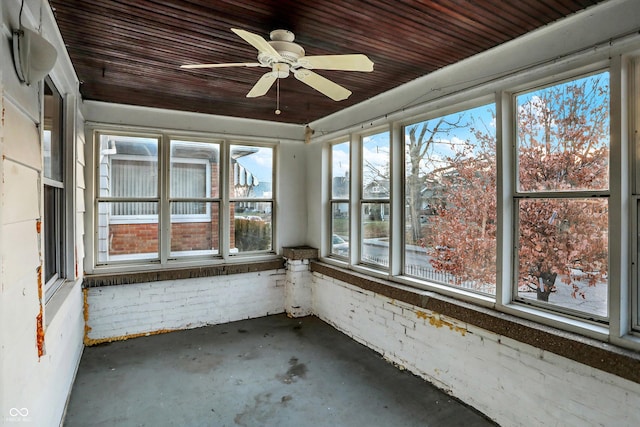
{"points": [[272, 371]]}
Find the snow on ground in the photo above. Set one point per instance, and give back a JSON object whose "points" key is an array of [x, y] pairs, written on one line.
{"points": [[594, 301]]}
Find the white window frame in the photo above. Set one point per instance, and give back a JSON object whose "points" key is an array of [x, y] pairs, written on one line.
{"points": [[339, 200], [166, 258], [233, 252], [623, 63], [362, 200], [555, 195], [65, 203]]}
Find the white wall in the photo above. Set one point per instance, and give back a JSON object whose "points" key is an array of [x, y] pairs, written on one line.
{"points": [[37, 387], [515, 384]]}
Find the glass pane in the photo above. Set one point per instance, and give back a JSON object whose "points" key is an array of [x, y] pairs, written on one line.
{"points": [[375, 166], [194, 169], [563, 136], [450, 205], [52, 232], [375, 233], [251, 172], [340, 171], [131, 237], [128, 166], [53, 138], [251, 227], [340, 229], [563, 253], [194, 228]]}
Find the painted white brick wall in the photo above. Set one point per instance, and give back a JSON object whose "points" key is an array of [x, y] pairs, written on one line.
{"points": [[513, 383], [119, 311], [297, 297]]}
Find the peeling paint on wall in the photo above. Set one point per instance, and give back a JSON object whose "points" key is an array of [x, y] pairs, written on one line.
{"points": [[39, 317], [90, 341], [40, 334], [85, 312], [436, 320]]}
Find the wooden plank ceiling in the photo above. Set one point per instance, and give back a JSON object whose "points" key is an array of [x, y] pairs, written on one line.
{"points": [[130, 52]]}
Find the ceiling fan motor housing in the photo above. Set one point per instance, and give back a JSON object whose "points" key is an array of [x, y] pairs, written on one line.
{"points": [[282, 42]]}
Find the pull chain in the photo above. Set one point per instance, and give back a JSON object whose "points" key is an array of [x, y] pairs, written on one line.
{"points": [[278, 96]]}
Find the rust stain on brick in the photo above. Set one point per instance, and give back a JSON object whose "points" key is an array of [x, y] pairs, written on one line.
{"points": [[85, 313], [38, 226], [91, 341], [436, 321], [421, 314]]}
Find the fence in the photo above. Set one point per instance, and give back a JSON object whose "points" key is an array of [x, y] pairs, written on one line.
{"points": [[429, 273]]}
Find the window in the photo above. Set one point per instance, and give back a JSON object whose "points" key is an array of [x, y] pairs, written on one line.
{"points": [[561, 196], [146, 212], [54, 189], [375, 200], [251, 198], [194, 200], [450, 199], [340, 183], [129, 197], [635, 189]]}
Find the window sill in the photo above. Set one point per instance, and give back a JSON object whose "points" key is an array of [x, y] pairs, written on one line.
{"points": [[57, 300], [588, 351], [132, 277]]}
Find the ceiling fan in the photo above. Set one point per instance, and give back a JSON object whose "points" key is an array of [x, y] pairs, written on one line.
{"points": [[284, 56]]}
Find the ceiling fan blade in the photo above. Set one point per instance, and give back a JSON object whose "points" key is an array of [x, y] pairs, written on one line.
{"points": [[356, 62], [230, 64], [262, 86], [322, 84], [258, 42]]}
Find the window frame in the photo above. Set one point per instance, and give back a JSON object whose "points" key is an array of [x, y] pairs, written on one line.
{"points": [[582, 194], [338, 200], [362, 200], [57, 238], [623, 324], [229, 200], [634, 142], [450, 109], [165, 258]]}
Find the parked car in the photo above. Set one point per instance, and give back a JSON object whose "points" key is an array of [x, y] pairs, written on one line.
{"points": [[339, 246]]}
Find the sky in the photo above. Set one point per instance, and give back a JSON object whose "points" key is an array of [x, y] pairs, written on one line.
{"points": [[376, 147]]}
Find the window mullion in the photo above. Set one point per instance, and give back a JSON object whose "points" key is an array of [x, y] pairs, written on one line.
{"points": [[619, 204], [355, 198], [164, 220], [396, 241], [505, 183], [224, 225]]}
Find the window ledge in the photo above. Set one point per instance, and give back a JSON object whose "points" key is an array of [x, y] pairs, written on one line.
{"points": [[588, 351], [57, 300], [131, 277]]}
